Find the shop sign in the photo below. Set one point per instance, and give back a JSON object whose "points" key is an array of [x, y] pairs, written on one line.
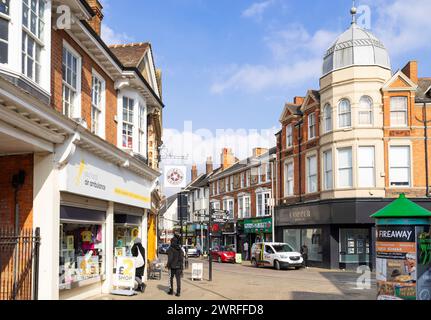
{"points": [[175, 176], [125, 272], [197, 271], [88, 175], [256, 226]]}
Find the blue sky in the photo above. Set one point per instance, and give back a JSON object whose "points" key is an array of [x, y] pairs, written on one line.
{"points": [[234, 63]]}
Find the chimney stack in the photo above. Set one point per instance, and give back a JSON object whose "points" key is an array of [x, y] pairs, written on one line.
{"points": [[194, 172], [209, 166], [227, 158], [298, 100], [257, 152], [96, 21], [411, 71]]}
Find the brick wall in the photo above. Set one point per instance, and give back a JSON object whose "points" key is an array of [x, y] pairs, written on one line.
{"points": [[58, 36], [9, 166]]}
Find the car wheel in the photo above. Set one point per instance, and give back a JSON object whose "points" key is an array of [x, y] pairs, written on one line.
{"points": [[219, 260], [254, 263], [277, 265]]}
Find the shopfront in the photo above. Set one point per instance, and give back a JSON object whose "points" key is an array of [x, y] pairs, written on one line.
{"points": [[339, 234], [229, 235], [103, 210], [258, 229]]}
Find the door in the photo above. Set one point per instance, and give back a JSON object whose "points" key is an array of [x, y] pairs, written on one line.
{"points": [[355, 246], [268, 256]]}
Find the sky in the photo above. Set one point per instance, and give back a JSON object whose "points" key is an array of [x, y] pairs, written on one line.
{"points": [[229, 66]]}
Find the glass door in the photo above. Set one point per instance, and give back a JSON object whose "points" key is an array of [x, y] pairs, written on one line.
{"points": [[355, 246]]}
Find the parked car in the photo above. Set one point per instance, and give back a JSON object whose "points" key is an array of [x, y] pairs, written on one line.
{"points": [[191, 251], [223, 254], [276, 255], [163, 248]]}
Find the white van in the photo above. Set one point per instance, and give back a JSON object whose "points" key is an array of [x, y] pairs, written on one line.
{"points": [[275, 255]]}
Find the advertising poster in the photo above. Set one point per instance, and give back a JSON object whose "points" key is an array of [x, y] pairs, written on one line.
{"points": [[88, 265], [125, 272], [424, 263], [396, 262]]}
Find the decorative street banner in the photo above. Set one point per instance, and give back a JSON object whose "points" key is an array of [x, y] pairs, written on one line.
{"points": [[125, 273], [396, 262], [175, 176]]}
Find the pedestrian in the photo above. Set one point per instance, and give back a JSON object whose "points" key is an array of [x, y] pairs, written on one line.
{"points": [[304, 253], [246, 251], [199, 250], [175, 265], [186, 257], [138, 251]]}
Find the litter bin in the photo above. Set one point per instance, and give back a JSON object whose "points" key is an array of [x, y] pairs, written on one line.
{"points": [[403, 250]]}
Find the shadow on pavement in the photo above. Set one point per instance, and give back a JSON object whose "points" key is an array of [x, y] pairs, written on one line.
{"points": [[346, 282], [299, 295]]}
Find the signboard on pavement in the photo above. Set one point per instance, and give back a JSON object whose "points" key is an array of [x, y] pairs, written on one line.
{"points": [[125, 273], [197, 271]]}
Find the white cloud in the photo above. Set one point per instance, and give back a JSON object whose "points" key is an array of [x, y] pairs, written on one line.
{"points": [[403, 26], [297, 59], [112, 37], [257, 9]]}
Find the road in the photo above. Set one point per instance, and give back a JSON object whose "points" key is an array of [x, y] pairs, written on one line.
{"points": [[243, 282]]}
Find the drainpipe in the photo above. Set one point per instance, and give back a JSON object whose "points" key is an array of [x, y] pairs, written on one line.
{"points": [[426, 151]]}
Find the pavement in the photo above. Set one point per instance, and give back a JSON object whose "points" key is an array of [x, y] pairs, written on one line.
{"points": [[244, 282]]}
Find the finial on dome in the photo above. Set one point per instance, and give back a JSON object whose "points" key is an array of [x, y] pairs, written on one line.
{"points": [[353, 12]]}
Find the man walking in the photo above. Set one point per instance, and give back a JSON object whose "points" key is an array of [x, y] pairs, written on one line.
{"points": [[246, 251], [175, 265], [304, 253]]}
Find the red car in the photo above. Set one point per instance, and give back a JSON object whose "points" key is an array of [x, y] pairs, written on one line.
{"points": [[223, 255]]}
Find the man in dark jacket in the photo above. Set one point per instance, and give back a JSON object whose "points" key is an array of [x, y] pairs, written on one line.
{"points": [[304, 253], [138, 251], [175, 265]]}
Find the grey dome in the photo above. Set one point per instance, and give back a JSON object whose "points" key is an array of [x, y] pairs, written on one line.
{"points": [[356, 46]]}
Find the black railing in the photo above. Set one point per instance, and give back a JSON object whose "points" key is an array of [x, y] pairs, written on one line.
{"points": [[19, 263]]}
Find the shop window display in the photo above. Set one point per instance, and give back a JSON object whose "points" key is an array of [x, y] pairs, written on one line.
{"points": [[123, 240], [82, 253]]}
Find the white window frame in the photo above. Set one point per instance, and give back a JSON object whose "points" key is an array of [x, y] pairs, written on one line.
{"points": [[391, 167], [289, 185], [343, 113], [265, 205], [226, 184], [394, 110], [229, 205], [289, 136], [328, 154], [242, 175], [6, 18], [362, 168], [312, 175], [248, 178], [142, 129], [268, 172], [37, 39], [127, 124], [327, 119], [75, 106], [101, 108], [340, 169], [312, 126], [366, 106]]}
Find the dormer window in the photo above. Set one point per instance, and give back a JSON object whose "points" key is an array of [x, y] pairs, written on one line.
{"points": [[289, 136], [128, 111], [32, 37], [4, 31]]}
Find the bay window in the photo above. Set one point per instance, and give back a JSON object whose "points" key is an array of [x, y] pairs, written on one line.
{"points": [[312, 174], [243, 207], [32, 37], [366, 164], [345, 172], [97, 104], [344, 114], [71, 78], [289, 136], [142, 129], [328, 182], [399, 166], [4, 31], [128, 127], [311, 126], [327, 119], [399, 111], [366, 111], [289, 185]]}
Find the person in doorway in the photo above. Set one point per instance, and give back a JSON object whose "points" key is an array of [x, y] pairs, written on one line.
{"points": [[304, 253], [175, 265], [246, 251], [138, 252]]}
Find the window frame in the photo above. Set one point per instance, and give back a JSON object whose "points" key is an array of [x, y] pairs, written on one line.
{"points": [[360, 166], [263, 209], [312, 126], [409, 168], [76, 104], [312, 176], [340, 169], [406, 112], [326, 171], [344, 113], [5, 16], [289, 180], [128, 124], [327, 119], [289, 136], [142, 128], [369, 110], [100, 130]]}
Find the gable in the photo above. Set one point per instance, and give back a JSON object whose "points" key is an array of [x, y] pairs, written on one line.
{"points": [[400, 82]]}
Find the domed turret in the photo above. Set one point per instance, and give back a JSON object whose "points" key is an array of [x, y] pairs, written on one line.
{"points": [[356, 47]]}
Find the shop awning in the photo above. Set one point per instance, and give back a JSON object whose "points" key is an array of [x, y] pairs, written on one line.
{"points": [[402, 208]]}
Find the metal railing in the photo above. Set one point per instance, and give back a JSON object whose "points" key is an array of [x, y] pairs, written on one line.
{"points": [[19, 263]]}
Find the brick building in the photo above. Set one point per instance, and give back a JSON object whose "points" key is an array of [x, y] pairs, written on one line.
{"points": [[79, 125], [244, 189], [350, 147]]}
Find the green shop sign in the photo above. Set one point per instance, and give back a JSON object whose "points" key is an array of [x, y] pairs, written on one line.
{"points": [[257, 226]]}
